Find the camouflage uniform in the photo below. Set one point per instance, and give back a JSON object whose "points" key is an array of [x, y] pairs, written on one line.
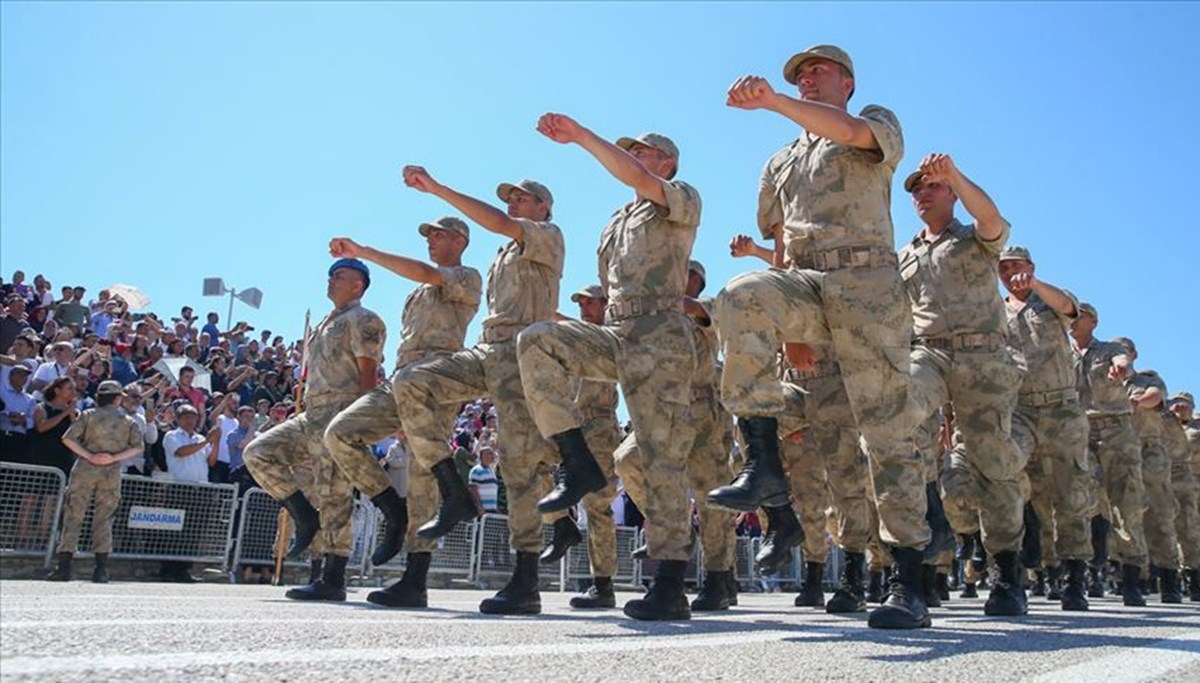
{"points": [[274, 457], [843, 290], [646, 345], [959, 356], [522, 289], [1184, 491], [1051, 429], [807, 482], [1115, 450], [1159, 520], [99, 430], [433, 323]]}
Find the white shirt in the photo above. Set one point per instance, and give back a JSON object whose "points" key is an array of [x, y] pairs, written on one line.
{"points": [[16, 402], [50, 371], [227, 425], [6, 369], [192, 467]]}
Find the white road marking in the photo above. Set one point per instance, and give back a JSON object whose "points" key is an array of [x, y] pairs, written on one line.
{"points": [[1141, 663]]}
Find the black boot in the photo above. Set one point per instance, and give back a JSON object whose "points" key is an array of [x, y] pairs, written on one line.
{"points": [[875, 588], [1039, 584], [929, 586], [395, 519], [943, 587], [968, 591], [330, 588], [1150, 585], [410, 590], [307, 521], [1100, 529], [1194, 585], [811, 593], [1129, 586], [599, 595], [566, 534], [666, 600], [1095, 581], [578, 475], [761, 483], [1031, 544], [966, 546], [849, 594], [714, 595], [941, 535], [903, 608], [1007, 598], [457, 504], [1054, 583], [315, 565], [1168, 585], [63, 571], [100, 573], [520, 595], [1074, 595], [732, 587], [783, 533]]}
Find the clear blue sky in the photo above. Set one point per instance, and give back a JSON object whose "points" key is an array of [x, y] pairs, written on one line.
{"points": [[157, 144]]}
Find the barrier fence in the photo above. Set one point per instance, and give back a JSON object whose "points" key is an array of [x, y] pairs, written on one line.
{"points": [[454, 556], [31, 500]]}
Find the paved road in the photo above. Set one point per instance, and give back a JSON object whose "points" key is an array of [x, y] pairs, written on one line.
{"points": [[153, 632]]}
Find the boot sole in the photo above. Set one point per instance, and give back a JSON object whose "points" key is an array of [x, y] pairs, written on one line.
{"points": [[383, 602], [773, 500], [678, 616], [301, 597], [530, 610], [890, 623], [560, 504], [604, 605], [433, 533]]}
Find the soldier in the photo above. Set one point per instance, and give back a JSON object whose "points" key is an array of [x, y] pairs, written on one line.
{"points": [[522, 289], [1182, 434], [646, 344], [1049, 424], [1148, 394], [1114, 446], [344, 352], [102, 438], [433, 324], [825, 197]]}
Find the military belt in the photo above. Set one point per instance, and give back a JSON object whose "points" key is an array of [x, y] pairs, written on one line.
{"points": [[637, 306], [1041, 399], [500, 333], [1108, 421], [970, 341], [846, 257]]}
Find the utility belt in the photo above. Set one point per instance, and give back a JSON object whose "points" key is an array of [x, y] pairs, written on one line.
{"points": [[845, 257], [968, 341], [638, 306], [497, 334], [1041, 399], [1109, 421]]}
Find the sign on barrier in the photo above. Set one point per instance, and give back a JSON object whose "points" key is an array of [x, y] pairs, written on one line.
{"points": [[166, 519], [31, 500]]}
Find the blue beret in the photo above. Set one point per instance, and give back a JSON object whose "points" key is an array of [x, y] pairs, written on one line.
{"points": [[352, 263]]}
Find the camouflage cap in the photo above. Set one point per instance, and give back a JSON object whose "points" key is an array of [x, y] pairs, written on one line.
{"points": [[1088, 309], [1183, 397], [533, 187], [591, 291], [662, 143], [698, 268], [831, 52], [1015, 253], [109, 387], [449, 224]]}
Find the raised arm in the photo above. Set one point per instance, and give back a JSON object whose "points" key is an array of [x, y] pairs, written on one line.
{"points": [[405, 267], [742, 246], [989, 224], [819, 119], [486, 215], [621, 164]]}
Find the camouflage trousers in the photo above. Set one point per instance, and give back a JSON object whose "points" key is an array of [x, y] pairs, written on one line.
{"points": [[88, 480], [810, 490], [653, 358], [429, 395], [1116, 454], [836, 438], [1062, 491], [879, 556], [864, 315], [1162, 545], [707, 468], [349, 437], [983, 388], [1187, 524]]}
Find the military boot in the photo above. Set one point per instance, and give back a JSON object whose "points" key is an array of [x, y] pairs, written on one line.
{"points": [[1074, 595], [456, 506], [968, 590], [520, 595], [929, 586], [315, 566], [1095, 581], [811, 593], [943, 587], [307, 521], [1007, 597], [1054, 577], [395, 519], [566, 534], [578, 475], [62, 572], [1194, 585], [1100, 529], [331, 587], [762, 482], [849, 594], [875, 588], [1168, 586], [714, 594], [410, 590], [1031, 544], [599, 595], [783, 533], [1129, 586], [666, 600], [903, 608], [1039, 584], [732, 587], [100, 572]]}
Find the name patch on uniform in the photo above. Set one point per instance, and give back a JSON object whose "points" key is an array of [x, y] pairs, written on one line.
{"points": [[163, 519]]}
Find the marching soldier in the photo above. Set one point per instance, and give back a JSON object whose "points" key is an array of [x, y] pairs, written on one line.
{"points": [[1183, 436]]}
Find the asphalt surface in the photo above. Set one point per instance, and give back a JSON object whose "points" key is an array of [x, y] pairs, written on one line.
{"points": [[153, 632]]}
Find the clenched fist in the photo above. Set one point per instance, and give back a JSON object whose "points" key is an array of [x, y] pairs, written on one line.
{"points": [[418, 179], [750, 92], [560, 128]]}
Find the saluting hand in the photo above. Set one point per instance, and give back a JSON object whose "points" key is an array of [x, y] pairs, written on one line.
{"points": [[344, 247], [938, 168], [418, 179], [560, 128], [741, 245], [750, 92]]}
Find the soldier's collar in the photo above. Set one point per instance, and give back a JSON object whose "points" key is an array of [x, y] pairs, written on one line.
{"points": [[349, 304]]}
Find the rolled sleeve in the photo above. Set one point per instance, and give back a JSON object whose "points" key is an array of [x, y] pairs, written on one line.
{"points": [[461, 284], [542, 242], [368, 337], [683, 203], [993, 246], [770, 207], [886, 128]]}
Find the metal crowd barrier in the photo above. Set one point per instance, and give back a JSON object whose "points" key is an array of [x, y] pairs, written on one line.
{"points": [[454, 556], [493, 555], [579, 565], [31, 500]]}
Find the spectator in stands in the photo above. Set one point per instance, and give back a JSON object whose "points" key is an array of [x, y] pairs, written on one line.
{"points": [[14, 323], [262, 413], [23, 351], [275, 416], [99, 370], [123, 369], [82, 378], [189, 456], [73, 312], [464, 455], [214, 332], [131, 405], [224, 419], [236, 441], [482, 482], [59, 359], [105, 317], [156, 457], [16, 416], [185, 390], [269, 389]]}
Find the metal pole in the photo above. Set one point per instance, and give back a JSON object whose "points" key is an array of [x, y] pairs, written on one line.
{"points": [[229, 317]]}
